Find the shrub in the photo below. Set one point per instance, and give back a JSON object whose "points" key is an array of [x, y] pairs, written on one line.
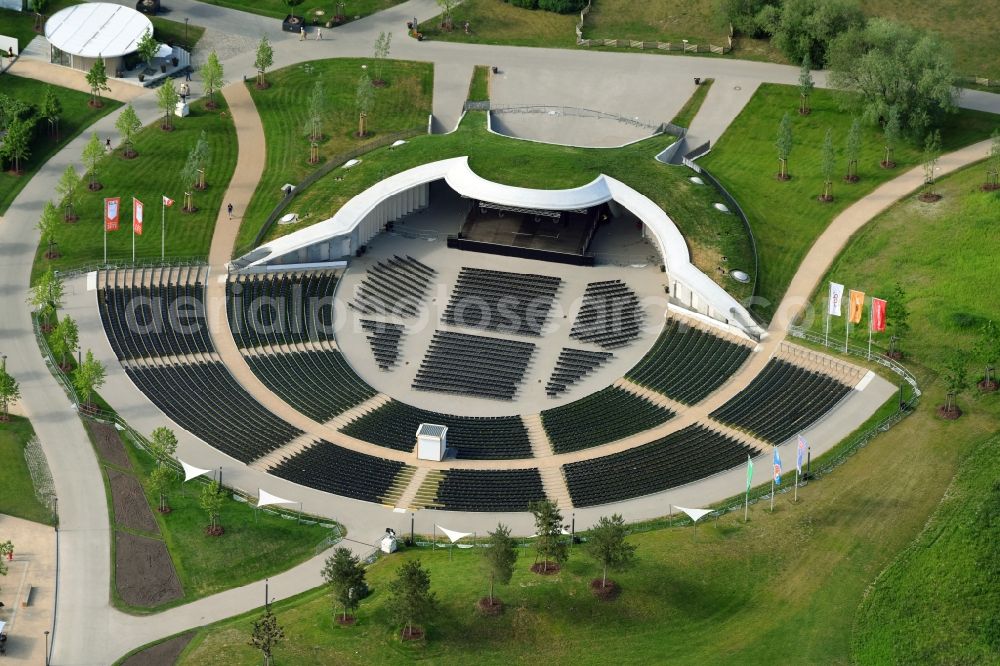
{"points": [[562, 6]]}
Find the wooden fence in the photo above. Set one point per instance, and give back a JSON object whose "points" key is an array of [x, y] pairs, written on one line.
{"points": [[683, 45]]}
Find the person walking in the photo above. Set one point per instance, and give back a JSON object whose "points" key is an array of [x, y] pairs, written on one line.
{"points": [[230, 209], [107, 144], [187, 74], [302, 34], [319, 34]]}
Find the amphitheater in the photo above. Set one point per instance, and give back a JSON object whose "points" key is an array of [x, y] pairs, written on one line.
{"points": [[562, 337]]}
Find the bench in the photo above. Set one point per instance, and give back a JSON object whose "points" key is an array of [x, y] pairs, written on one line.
{"points": [[26, 596]]}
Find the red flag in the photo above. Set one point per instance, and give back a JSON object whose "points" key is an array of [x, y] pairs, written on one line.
{"points": [[167, 201], [112, 213], [878, 315], [136, 217]]}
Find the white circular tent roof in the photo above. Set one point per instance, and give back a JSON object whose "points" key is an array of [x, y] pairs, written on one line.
{"points": [[97, 29]]}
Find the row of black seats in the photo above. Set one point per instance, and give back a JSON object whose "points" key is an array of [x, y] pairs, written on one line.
{"points": [[281, 308], [517, 303], [599, 418], [334, 469], [781, 401], [395, 286], [384, 339], [489, 489], [394, 425], [204, 399], [572, 366], [144, 320], [473, 365], [687, 363], [320, 384], [610, 316], [679, 458]]}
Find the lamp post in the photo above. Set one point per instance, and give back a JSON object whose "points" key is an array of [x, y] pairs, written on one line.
{"points": [[186, 30], [46, 647]]}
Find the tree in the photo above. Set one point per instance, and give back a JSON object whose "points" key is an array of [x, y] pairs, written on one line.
{"points": [[211, 503], [410, 599], [10, 391], [264, 59], [128, 125], [892, 65], [499, 557], [314, 120], [955, 380], [212, 78], [189, 179], [162, 444], [549, 544], [897, 321], [146, 48], [89, 378], [199, 156], [808, 27], [987, 351], [266, 634], [806, 85], [97, 79], [48, 228], [891, 133], [66, 189], [345, 576], [381, 54], [446, 7], [65, 340], [46, 297], [828, 164], [166, 101], [92, 154], [38, 7], [993, 164], [932, 153], [51, 110], [784, 145], [159, 483], [365, 99], [16, 146], [607, 545], [852, 149]]}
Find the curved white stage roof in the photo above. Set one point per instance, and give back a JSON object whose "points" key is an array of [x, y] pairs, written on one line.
{"points": [[692, 288], [97, 29]]}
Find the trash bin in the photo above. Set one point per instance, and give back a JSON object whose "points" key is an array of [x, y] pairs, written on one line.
{"points": [[697, 80]]}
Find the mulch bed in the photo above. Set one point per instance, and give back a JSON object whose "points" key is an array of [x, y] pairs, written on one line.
{"points": [[785, 177], [346, 621], [605, 592], [541, 568], [144, 572], [824, 199], [161, 654], [949, 415], [131, 508], [929, 197], [218, 530], [989, 187], [411, 634], [987, 386], [485, 607], [851, 179], [109, 445], [887, 165]]}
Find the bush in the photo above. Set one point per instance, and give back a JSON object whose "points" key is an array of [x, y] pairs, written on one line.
{"points": [[745, 15], [808, 27], [527, 4], [562, 6]]}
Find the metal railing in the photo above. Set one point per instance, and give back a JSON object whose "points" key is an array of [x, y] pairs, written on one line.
{"points": [[170, 262]]}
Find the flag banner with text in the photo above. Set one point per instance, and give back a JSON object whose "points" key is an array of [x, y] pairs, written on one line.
{"points": [[836, 299], [856, 307], [878, 314], [136, 217], [167, 201], [112, 213]]}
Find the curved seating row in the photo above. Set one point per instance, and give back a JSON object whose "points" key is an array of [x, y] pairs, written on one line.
{"points": [[395, 286], [489, 489], [473, 365], [515, 303], [599, 418], [334, 469], [610, 316], [572, 366], [283, 308]]}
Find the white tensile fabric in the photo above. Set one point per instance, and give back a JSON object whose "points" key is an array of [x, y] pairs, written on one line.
{"points": [[190, 471], [265, 498], [452, 534], [694, 514]]}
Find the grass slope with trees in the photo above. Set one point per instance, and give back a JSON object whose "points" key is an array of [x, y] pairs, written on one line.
{"points": [[18, 497], [279, 9]]}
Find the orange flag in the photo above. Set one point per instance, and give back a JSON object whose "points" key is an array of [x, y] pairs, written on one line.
{"points": [[857, 306]]}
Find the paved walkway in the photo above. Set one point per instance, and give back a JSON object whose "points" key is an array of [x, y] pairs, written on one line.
{"points": [[33, 566]]}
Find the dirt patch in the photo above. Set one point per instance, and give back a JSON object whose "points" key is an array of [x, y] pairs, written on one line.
{"points": [[824, 198], [347, 621], [930, 197], [161, 654], [109, 445], [487, 607], [131, 508], [948, 414], [987, 386], [144, 572], [605, 591], [544, 569], [411, 634]]}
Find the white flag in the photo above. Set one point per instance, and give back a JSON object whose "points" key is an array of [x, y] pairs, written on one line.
{"points": [[836, 297]]}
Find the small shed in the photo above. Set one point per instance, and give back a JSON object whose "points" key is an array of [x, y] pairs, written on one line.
{"points": [[432, 440]]}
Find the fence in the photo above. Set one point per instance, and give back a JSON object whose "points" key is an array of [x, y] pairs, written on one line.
{"points": [[684, 45], [124, 263], [980, 81], [330, 165]]}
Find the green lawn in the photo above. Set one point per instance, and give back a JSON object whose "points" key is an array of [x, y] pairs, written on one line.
{"points": [[479, 87], [18, 496], [699, 21], [403, 104], [75, 117], [709, 233], [176, 33], [786, 217], [279, 10], [693, 105], [154, 173], [22, 24], [251, 549], [497, 22]]}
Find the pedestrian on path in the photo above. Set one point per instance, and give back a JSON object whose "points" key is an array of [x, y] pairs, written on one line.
{"points": [[107, 144], [302, 34], [319, 34], [187, 74], [230, 209]]}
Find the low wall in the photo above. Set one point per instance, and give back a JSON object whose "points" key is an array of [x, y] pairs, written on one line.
{"points": [[458, 243]]}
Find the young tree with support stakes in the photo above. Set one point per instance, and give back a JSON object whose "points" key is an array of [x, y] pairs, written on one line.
{"points": [[313, 128], [956, 379], [38, 7], [806, 85], [128, 125], [932, 153], [828, 163], [65, 341], [499, 558], [88, 379], [66, 189], [783, 143], [212, 78], [410, 598], [48, 228], [10, 392], [852, 150], [189, 179], [211, 503], [345, 577], [92, 154], [266, 635], [446, 7], [263, 60], [16, 146], [993, 164], [365, 100], [199, 156], [166, 101], [607, 545], [163, 445], [46, 297], [380, 55], [987, 352], [146, 48], [891, 133], [51, 110], [97, 79], [549, 544], [159, 483], [897, 321]]}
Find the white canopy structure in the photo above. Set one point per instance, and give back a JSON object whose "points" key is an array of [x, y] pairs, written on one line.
{"points": [[97, 29], [694, 514], [191, 472], [265, 498], [452, 535]]}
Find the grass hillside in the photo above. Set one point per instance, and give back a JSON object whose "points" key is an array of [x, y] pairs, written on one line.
{"points": [[18, 497]]}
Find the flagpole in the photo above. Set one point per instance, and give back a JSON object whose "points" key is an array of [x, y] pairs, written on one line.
{"points": [[105, 239], [847, 331], [772, 491], [163, 228], [869, 339], [827, 341], [796, 499]]}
